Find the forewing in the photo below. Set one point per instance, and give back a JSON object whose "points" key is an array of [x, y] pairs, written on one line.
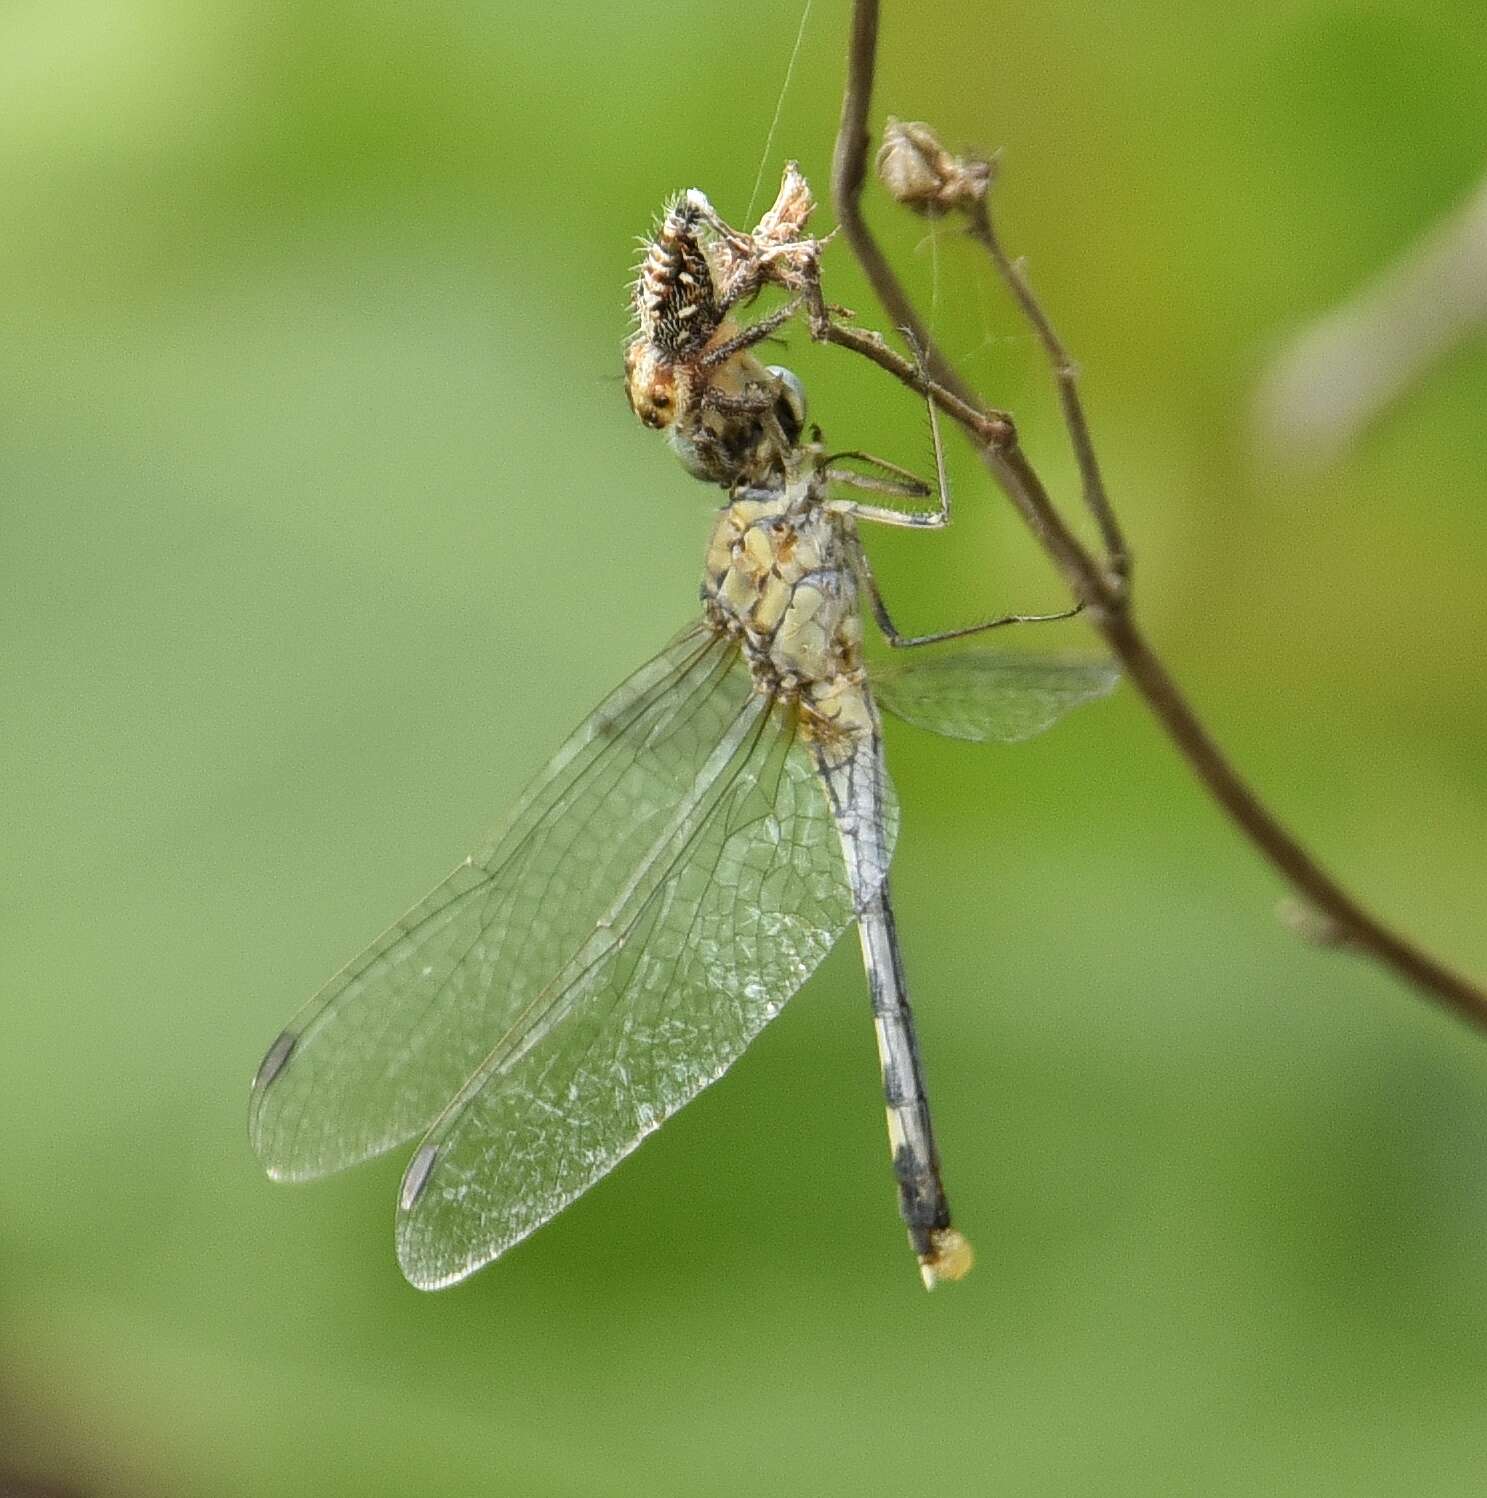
{"points": [[382, 1048], [711, 936], [989, 694]]}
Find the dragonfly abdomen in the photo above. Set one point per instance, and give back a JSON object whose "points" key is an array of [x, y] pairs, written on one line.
{"points": [[943, 1252]]}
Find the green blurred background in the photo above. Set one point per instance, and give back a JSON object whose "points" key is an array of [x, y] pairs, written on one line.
{"points": [[323, 519]]}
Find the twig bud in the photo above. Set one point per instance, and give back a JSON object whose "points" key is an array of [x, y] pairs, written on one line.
{"points": [[785, 222], [921, 174], [1310, 924]]}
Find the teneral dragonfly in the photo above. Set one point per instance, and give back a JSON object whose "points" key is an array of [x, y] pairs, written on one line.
{"points": [[671, 878]]}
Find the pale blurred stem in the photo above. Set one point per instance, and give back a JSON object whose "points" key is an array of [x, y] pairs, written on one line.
{"points": [[1340, 374], [1098, 583]]}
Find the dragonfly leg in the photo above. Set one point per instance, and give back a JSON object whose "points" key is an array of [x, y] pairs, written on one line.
{"points": [[904, 485], [915, 487], [900, 641], [889, 479]]}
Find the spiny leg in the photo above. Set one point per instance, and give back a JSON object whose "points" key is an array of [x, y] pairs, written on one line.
{"points": [[889, 479], [721, 353], [933, 520], [922, 520], [936, 519], [901, 641]]}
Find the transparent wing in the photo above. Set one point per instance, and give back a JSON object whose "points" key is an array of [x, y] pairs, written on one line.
{"points": [[720, 922], [989, 694], [374, 1057]]}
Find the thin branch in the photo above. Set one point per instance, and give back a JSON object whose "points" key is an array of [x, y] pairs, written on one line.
{"points": [[1066, 373], [848, 171], [991, 428], [1354, 927], [1100, 588]]}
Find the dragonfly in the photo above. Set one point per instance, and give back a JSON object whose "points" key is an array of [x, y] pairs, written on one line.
{"points": [[687, 858]]}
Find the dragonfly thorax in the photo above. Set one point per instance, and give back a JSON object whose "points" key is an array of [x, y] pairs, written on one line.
{"points": [[779, 577]]}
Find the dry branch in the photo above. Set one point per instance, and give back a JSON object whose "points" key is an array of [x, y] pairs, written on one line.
{"points": [[1099, 583]]}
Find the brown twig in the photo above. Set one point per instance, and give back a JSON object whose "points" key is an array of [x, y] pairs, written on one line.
{"points": [[1066, 373], [991, 428], [848, 170], [1099, 583]]}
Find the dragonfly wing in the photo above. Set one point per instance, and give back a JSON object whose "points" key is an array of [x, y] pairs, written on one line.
{"points": [[376, 1055], [718, 924], [990, 695]]}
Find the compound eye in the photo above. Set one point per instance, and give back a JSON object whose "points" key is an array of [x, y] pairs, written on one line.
{"points": [[658, 412], [789, 406]]}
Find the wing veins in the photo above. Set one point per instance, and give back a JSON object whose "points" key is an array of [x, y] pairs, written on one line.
{"points": [[495, 1064], [351, 972], [281, 1134]]}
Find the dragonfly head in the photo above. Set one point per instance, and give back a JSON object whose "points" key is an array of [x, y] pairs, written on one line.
{"points": [[650, 385]]}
